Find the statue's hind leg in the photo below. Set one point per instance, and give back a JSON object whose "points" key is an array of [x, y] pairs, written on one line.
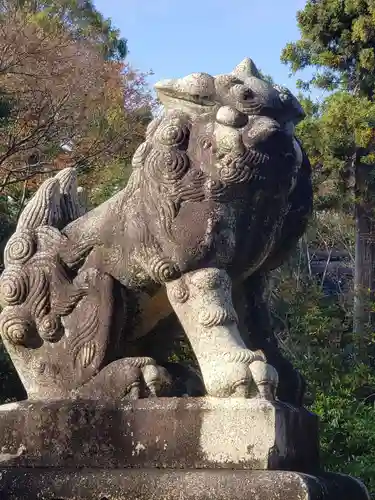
{"points": [[203, 303]]}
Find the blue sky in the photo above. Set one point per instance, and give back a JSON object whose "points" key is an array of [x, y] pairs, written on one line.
{"points": [[174, 39]]}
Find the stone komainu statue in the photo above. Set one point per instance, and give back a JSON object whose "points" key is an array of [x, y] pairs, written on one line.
{"points": [[219, 195]]}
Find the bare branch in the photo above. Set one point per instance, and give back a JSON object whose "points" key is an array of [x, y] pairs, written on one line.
{"points": [[60, 90]]}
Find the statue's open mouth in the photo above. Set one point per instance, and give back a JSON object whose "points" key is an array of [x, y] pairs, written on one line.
{"points": [[171, 97], [196, 99]]}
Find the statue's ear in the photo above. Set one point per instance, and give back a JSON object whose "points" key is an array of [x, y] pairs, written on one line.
{"points": [[245, 69]]}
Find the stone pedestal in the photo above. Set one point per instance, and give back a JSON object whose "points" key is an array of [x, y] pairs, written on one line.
{"points": [[189, 433], [164, 449], [147, 484]]}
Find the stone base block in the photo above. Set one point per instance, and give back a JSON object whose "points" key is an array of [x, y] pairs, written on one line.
{"points": [[141, 484], [180, 433]]}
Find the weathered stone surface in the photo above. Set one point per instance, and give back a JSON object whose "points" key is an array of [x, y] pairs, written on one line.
{"points": [[163, 433], [219, 194], [36, 484], [216, 187]]}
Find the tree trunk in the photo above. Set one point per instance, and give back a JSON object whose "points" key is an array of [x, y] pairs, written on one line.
{"points": [[364, 282]]}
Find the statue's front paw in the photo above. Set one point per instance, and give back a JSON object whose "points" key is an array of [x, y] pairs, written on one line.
{"points": [[225, 379], [241, 373]]}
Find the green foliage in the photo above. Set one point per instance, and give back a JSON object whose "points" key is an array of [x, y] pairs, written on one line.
{"points": [[80, 18], [337, 39], [65, 56], [5, 109], [11, 388], [348, 436], [338, 127], [101, 182], [9, 210], [338, 135], [347, 124], [316, 333]]}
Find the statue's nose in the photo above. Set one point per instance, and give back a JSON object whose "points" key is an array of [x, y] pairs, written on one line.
{"points": [[259, 130]]}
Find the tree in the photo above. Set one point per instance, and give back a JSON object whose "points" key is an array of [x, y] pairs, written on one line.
{"points": [[338, 42], [66, 98], [61, 102], [102, 183], [314, 330], [78, 17]]}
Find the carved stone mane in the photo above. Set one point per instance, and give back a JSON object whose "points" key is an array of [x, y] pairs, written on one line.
{"points": [[213, 191]]}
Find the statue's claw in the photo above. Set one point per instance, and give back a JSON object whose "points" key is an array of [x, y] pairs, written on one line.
{"points": [[155, 379], [266, 379], [241, 379], [134, 391], [147, 379], [126, 379]]}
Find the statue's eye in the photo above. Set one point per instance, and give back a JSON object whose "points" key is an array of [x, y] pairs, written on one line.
{"points": [[200, 98], [247, 95]]}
